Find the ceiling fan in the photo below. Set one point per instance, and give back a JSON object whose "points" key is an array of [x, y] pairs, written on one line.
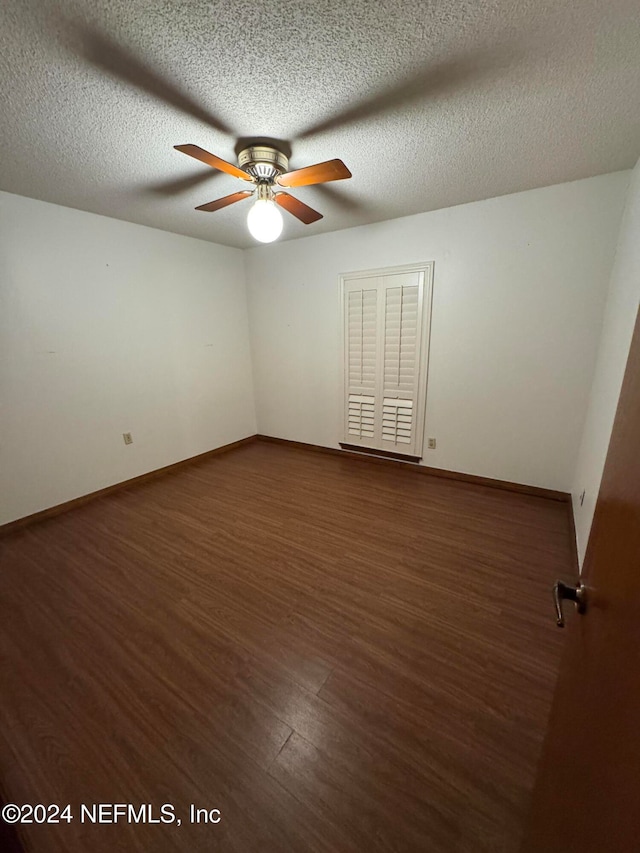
{"points": [[267, 168]]}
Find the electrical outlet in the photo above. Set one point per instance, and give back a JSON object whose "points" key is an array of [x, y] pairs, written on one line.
{"points": [[431, 443], [582, 497], [127, 438]]}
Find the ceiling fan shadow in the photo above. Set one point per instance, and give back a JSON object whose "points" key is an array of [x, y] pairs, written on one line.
{"points": [[176, 186], [433, 81], [104, 53], [341, 198]]}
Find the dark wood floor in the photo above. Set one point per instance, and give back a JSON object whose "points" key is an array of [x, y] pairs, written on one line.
{"points": [[337, 655]]}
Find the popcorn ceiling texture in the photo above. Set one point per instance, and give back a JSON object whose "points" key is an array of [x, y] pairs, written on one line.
{"points": [[430, 104]]}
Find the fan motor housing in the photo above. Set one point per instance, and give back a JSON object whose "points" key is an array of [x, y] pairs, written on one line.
{"points": [[263, 162]]}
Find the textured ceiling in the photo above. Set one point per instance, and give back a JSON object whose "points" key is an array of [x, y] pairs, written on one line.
{"points": [[429, 104]]}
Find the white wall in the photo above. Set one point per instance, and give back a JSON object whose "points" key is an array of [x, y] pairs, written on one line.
{"points": [[619, 320], [108, 327], [519, 292]]}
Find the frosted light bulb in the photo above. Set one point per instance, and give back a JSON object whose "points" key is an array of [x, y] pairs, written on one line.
{"points": [[265, 221]]}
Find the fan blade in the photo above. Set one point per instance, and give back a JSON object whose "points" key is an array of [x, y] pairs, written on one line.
{"points": [[213, 161], [320, 173], [298, 208], [224, 202]]}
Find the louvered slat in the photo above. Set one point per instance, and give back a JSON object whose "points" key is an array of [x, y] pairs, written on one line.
{"points": [[360, 417], [400, 336], [361, 338], [397, 420]]}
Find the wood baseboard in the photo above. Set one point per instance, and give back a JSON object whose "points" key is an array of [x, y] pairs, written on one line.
{"points": [[58, 509], [536, 491]]}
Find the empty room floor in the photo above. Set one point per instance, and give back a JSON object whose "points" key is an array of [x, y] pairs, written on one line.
{"points": [[338, 655]]}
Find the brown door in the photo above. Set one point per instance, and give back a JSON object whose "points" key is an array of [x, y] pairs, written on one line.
{"points": [[587, 794]]}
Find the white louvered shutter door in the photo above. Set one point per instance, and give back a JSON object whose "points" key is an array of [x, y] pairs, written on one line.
{"points": [[383, 327], [361, 352], [402, 304]]}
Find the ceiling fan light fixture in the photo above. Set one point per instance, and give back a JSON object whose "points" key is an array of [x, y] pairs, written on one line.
{"points": [[265, 167], [264, 220]]}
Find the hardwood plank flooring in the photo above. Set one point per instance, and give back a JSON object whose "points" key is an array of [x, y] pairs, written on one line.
{"points": [[336, 655]]}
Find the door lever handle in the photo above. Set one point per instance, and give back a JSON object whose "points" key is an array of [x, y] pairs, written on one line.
{"points": [[562, 592]]}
